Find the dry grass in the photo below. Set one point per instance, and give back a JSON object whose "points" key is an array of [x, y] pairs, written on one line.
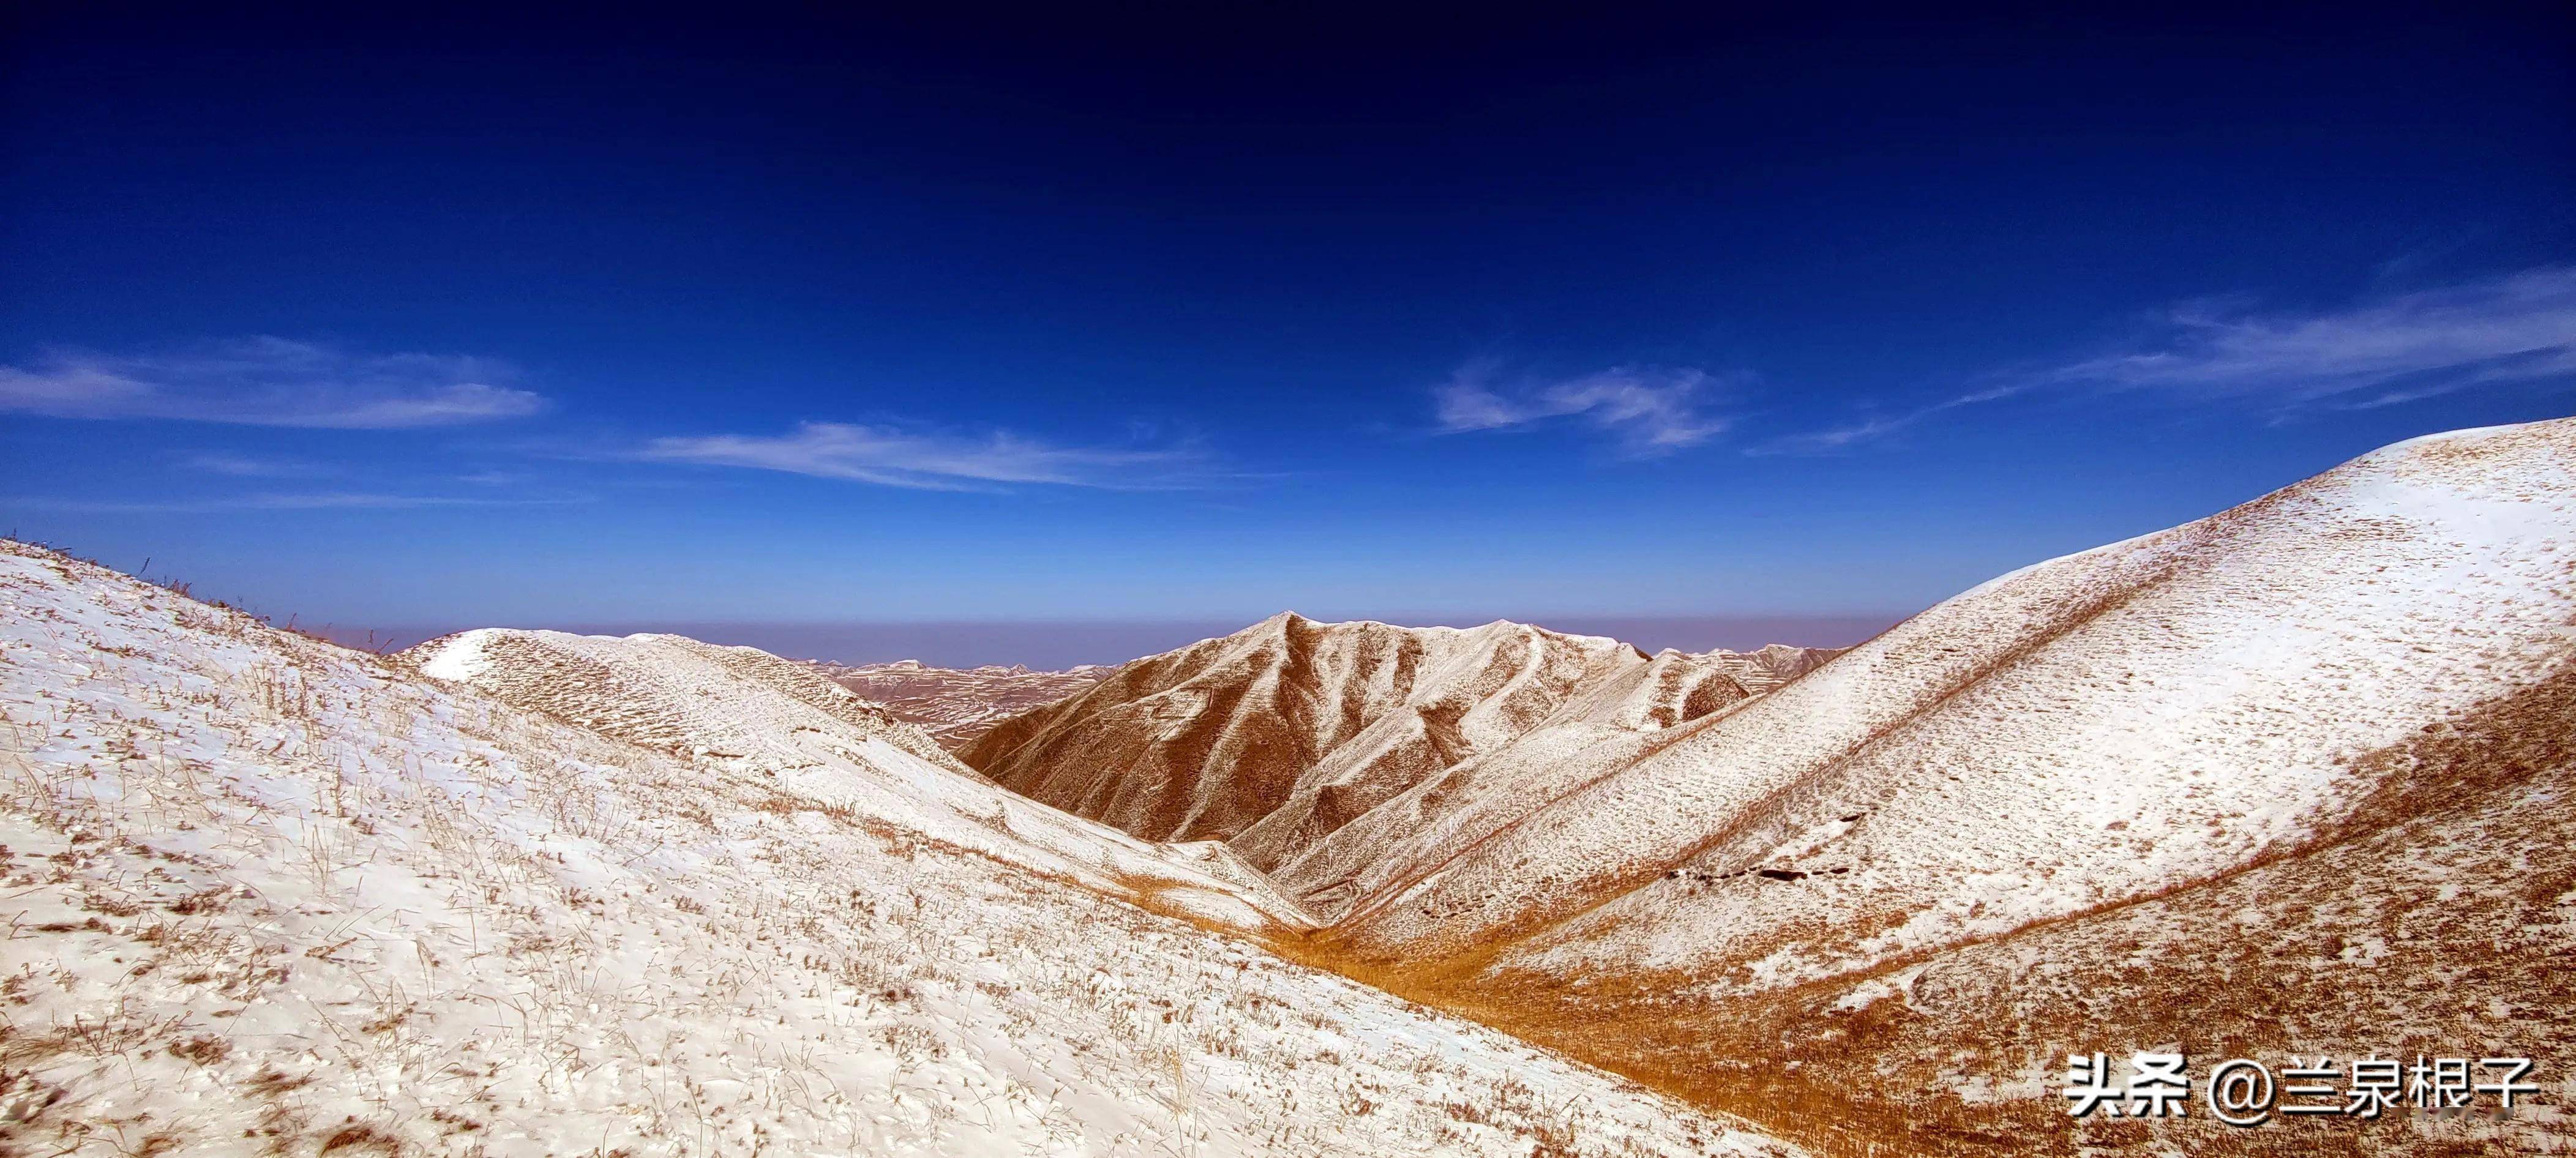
{"points": [[581, 922], [1884, 1078]]}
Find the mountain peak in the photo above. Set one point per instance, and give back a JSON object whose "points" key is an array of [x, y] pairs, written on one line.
{"points": [[1271, 748]]}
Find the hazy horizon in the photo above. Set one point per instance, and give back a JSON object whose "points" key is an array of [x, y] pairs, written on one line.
{"points": [[1057, 644]]}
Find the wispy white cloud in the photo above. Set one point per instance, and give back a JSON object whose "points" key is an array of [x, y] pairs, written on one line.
{"points": [[269, 382], [309, 501], [1649, 411], [1875, 426], [1833, 438], [2383, 351], [900, 457], [246, 466], [2521, 326]]}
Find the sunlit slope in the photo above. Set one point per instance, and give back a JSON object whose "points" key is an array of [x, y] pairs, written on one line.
{"points": [[749, 712], [2436, 919], [1275, 737], [270, 896], [2093, 728]]}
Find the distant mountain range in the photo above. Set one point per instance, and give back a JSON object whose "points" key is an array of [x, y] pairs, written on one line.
{"points": [[956, 705], [1273, 738]]}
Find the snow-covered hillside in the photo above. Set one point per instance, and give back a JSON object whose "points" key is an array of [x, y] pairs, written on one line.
{"points": [[2291, 780], [1274, 737], [2075, 732], [269, 896], [2124, 738], [753, 714], [1771, 665]]}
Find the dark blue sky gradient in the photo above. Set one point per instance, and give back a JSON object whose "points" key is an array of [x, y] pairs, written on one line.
{"points": [[1230, 266]]}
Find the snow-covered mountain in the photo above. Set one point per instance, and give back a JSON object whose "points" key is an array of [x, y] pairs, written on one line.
{"points": [[266, 895], [1772, 665], [1284, 737], [956, 705], [752, 713], [2292, 778], [1273, 738]]}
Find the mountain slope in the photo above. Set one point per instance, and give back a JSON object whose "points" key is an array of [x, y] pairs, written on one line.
{"points": [[1273, 738], [2081, 773], [1772, 665], [2073, 732], [2437, 919], [664, 691], [1211, 740], [752, 713], [270, 896]]}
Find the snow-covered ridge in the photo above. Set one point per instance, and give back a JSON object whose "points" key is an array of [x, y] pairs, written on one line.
{"points": [[1275, 737], [2197, 784], [266, 895], [746, 711], [2103, 725], [663, 690]]}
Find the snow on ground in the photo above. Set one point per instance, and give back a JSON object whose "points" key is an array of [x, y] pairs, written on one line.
{"points": [[1275, 738], [1270, 737], [745, 711], [2436, 920], [2097, 727], [265, 895], [2213, 783]]}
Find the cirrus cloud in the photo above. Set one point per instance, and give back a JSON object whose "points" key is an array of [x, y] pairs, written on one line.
{"points": [[269, 382], [300, 501], [1648, 411], [2382, 351], [895, 456], [2386, 350]]}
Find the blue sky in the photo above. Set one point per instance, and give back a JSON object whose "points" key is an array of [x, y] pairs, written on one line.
{"points": [[423, 323]]}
